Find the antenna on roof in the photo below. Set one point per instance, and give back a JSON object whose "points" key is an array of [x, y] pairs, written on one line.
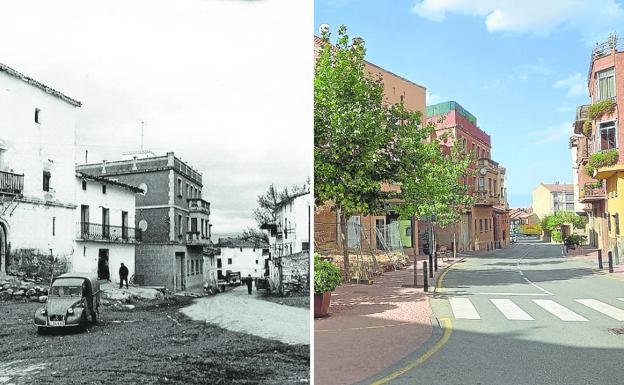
{"points": [[142, 123]]}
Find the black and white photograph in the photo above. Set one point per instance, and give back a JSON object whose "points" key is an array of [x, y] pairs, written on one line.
{"points": [[155, 191]]}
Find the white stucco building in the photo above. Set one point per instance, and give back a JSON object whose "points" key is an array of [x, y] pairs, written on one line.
{"points": [[244, 256], [289, 241], [103, 226], [37, 146]]}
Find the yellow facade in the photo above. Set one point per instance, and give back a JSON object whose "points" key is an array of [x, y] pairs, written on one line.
{"points": [[541, 201], [615, 211]]}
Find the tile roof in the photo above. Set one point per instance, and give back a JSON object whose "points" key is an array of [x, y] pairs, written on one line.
{"points": [[39, 85], [108, 181], [559, 187], [240, 242]]}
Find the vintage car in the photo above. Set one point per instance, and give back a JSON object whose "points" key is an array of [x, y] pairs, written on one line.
{"points": [[73, 299]]}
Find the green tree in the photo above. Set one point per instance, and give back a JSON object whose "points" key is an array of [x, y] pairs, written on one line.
{"points": [[350, 129]]}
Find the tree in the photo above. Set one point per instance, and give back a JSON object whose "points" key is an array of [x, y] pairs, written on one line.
{"points": [[361, 142], [349, 132], [552, 222], [254, 235], [268, 202]]}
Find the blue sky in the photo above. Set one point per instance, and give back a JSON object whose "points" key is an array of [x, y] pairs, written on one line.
{"points": [[519, 66]]}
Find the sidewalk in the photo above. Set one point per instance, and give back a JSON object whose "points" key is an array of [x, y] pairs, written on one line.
{"points": [[591, 255], [370, 327]]}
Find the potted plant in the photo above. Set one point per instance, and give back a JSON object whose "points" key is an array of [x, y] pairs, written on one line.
{"points": [[326, 277]]}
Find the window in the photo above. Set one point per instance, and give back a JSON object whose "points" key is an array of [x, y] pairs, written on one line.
{"points": [[105, 222], [481, 183], [402, 98], [53, 226], [256, 261], [616, 219], [179, 187], [46, 180], [179, 224], [229, 261], [608, 135], [481, 225], [124, 225], [103, 189], [37, 115], [84, 184], [219, 263], [605, 84]]}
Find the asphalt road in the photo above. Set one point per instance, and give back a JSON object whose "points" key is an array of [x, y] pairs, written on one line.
{"points": [[524, 315]]}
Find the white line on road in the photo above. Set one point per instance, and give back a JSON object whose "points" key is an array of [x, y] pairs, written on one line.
{"points": [[527, 294], [537, 286], [510, 310], [611, 311], [561, 312], [463, 308], [620, 299]]}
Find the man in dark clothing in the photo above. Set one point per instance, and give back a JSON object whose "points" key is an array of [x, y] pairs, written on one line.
{"points": [[249, 282], [123, 276]]}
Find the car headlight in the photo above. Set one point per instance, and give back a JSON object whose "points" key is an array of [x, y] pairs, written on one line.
{"points": [[70, 310], [43, 311]]}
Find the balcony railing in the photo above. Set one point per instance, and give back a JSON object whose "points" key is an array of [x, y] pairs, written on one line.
{"points": [[489, 164], [11, 183], [196, 238], [198, 204], [97, 232], [592, 191], [482, 198]]}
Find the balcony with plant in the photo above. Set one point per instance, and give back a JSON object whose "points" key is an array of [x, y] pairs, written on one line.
{"points": [[595, 111], [601, 159]]}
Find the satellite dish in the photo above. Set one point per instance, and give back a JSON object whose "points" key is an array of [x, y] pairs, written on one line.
{"points": [[324, 28]]}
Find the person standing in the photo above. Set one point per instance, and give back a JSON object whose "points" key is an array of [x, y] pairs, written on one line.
{"points": [[249, 282], [123, 275]]}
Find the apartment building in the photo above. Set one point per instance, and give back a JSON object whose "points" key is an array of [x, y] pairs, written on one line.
{"points": [[599, 161], [241, 255], [548, 198], [172, 216], [37, 175], [485, 225]]}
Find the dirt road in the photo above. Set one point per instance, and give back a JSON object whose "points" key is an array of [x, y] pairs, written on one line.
{"points": [[151, 344]]}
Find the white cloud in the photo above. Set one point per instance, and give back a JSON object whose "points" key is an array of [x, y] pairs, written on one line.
{"points": [[528, 16], [493, 85], [211, 79], [524, 72], [575, 84], [552, 134]]}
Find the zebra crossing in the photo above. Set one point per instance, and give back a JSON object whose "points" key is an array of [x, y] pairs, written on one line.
{"points": [[463, 308]]}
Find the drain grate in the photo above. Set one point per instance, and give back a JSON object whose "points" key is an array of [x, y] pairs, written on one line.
{"points": [[616, 331]]}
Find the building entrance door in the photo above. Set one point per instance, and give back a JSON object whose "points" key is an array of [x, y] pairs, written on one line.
{"points": [[103, 267], [179, 282]]}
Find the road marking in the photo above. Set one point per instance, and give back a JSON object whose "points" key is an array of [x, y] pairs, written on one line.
{"points": [[611, 311], [510, 310], [537, 286], [559, 311], [448, 329], [526, 294], [463, 308]]}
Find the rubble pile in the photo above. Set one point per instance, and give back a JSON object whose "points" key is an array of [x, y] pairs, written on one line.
{"points": [[26, 289]]}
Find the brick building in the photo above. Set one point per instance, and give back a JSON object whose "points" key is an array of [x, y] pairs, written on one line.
{"points": [[485, 225], [171, 215]]}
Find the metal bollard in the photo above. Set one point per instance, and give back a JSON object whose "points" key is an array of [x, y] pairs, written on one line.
{"points": [[610, 256], [435, 261], [600, 259], [430, 266], [425, 279]]}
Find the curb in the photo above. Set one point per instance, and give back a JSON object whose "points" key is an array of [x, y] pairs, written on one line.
{"points": [[440, 277]]}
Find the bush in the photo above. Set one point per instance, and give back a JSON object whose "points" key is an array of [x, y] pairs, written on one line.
{"points": [[575, 239], [555, 236], [326, 275], [601, 159]]}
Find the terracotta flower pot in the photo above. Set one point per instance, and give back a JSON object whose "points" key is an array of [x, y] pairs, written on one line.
{"points": [[321, 304]]}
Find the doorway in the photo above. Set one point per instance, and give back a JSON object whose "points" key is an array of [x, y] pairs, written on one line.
{"points": [[179, 277], [103, 267]]}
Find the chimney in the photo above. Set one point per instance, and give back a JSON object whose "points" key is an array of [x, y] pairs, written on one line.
{"points": [[103, 166], [170, 159], [134, 165]]}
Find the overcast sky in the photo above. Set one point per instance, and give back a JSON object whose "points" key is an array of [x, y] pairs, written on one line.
{"points": [[225, 84]]}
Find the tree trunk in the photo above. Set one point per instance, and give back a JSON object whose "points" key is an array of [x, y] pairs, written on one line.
{"points": [[345, 245]]}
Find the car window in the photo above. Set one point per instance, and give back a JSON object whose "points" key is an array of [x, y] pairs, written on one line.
{"points": [[72, 291]]}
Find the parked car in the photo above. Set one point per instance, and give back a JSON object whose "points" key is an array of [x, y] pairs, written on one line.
{"points": [[73, 300]]}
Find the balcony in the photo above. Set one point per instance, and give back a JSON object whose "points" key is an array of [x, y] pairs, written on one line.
{"points": [[196, 238], [11, 183], [592, 191], [87, 231], [482, 198], [582, 114], [199, 205]]}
